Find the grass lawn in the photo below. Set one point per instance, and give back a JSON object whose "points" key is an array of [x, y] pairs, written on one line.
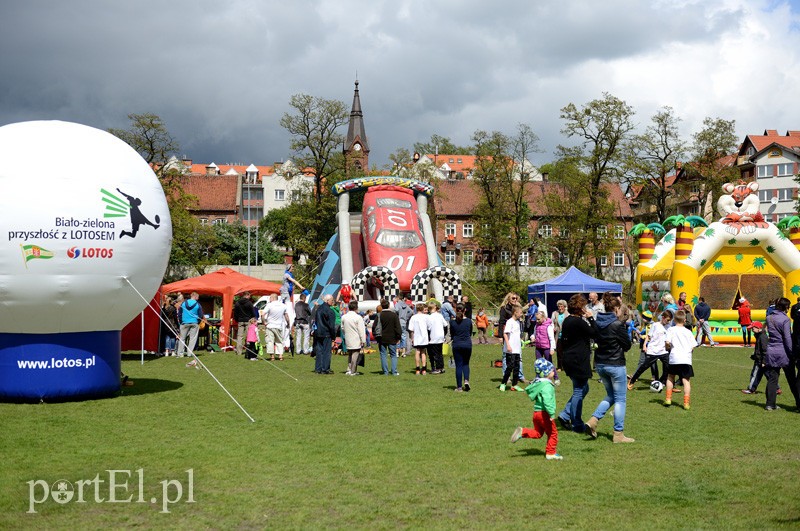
{"points": [[387, 452]]}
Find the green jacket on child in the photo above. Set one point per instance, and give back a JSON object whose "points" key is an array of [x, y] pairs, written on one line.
{"points": [[542, 393]]}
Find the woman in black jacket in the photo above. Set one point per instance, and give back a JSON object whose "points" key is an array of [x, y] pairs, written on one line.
{"points": [[609, 360], [577, 329]]}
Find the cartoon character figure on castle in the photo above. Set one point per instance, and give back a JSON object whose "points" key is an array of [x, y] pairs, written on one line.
{"points": [[740, 206]]}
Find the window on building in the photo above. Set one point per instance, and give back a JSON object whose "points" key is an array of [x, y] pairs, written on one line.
{"points": [[619, 259], [468, 230], [451, 161], [619, 232], [204, 221], [450, 257], [764, 195], [280, 195], [546, 231], [449, 229], [603, 261], [467, 257], [565, 232], [295, 195], [602, 231], [695, 189], [785, 169], [784, 194], [249, 213], [524, 258], [765, 171], [219, 221], [505, 257], [253, 193]]}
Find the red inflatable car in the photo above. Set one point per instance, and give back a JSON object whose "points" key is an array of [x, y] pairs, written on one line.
{"points": [[392, 232]]}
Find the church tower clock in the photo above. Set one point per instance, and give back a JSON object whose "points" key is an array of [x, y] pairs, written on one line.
{"points": [[356, 147]]}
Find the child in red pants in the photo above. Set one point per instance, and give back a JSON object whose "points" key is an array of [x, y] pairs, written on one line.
{"points": [[542, 393]]}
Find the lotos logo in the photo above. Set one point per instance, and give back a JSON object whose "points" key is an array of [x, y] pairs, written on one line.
{"points": [[90, 252]]}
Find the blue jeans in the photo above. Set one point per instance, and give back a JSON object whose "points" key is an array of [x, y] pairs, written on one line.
{"points": [[170, 342], [615, 380], [462, 356], [573, 409], [404, 338], [391, 350]]}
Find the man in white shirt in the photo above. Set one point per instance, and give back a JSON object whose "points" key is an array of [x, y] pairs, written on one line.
{"points": [[595, 304], [276, 317]]}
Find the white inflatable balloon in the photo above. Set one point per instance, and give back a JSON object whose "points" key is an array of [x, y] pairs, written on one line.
{"points": [[82, 212]]}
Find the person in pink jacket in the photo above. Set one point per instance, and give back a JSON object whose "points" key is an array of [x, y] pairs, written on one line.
{"points": [[544, 339], [252, 340]]}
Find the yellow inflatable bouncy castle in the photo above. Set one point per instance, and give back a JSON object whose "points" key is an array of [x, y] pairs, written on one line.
{"points": [[740, 256]]}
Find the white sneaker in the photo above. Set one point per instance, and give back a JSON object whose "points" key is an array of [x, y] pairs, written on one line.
{"points": [[553, 457], [348, 373], [517, 434]]}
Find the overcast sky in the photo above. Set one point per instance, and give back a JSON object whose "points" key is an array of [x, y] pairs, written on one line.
{"points": [[221, 72]]}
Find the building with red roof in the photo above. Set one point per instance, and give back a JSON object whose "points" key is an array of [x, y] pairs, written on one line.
{"points": [[456, 201], [772, 160]]}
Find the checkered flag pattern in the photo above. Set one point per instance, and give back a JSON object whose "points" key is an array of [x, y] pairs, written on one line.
{"points": [[391, 285], [451, 283]]}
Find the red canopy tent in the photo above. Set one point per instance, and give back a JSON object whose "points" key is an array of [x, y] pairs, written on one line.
{"points": [[224, 283], [131, 338]]}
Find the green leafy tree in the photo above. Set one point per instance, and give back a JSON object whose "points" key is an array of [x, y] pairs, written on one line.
{"points": [[316, 138], [503, 175], [441, 145], [399, 161], [193, 248], [302, 228], [567, 204], [232, 247], [651, 158], [601, 127], [711, 163]]}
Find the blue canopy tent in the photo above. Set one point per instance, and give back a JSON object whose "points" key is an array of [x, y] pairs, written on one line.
{"points": [[568, 283]]}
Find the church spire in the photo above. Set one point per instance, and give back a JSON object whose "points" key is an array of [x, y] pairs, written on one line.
{"points": [[356, 146]]}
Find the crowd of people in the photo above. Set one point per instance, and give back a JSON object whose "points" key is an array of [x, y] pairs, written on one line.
{"points": [[582, 337]]}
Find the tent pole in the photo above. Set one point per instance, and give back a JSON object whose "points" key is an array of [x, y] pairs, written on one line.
{"points": [[143, 334]]}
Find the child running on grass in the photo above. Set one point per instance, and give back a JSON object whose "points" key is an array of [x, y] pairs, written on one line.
{"points": [[542, 393], [655, 350], [512, 337], [680, 342]]}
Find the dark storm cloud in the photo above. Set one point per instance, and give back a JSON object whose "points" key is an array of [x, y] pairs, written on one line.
{"points": [[221, 73]]}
